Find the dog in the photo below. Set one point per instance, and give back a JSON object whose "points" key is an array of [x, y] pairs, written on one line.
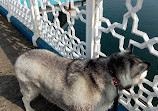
{"points": [[77, 84]]}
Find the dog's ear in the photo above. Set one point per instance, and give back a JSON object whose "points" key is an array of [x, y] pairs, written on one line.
{"points": [[130, 48]]}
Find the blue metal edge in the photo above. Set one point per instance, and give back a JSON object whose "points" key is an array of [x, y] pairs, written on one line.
{"points": [[51, 1], [43, 45], [3, 11], [22, 28]]}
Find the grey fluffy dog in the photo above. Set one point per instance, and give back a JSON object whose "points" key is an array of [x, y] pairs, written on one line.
{"points": [[76, 85]]}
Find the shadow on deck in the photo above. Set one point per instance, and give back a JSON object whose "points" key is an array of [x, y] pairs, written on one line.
{"points": [[12, 44]]}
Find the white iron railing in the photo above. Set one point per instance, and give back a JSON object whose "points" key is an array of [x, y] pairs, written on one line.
{"points": [[64, 40], [143, 99], [148, 43]]}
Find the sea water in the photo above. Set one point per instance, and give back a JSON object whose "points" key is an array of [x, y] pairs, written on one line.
{"points": [[148, 22]]}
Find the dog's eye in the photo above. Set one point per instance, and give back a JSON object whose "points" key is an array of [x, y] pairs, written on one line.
{"points": [[131, 63]]}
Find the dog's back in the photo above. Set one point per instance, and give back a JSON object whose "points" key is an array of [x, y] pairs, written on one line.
{"points": [[39, 65], [41, 71]]}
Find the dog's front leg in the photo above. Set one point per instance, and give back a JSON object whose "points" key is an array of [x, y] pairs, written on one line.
{"points": [[29, 93]]}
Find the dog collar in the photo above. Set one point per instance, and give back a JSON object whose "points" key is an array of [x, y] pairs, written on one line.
{"points": [[117, 84]]}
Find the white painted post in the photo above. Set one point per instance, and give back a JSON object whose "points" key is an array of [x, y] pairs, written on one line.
{"points": [[33, 5], [98, 33], [90, 29], [9, 10]]}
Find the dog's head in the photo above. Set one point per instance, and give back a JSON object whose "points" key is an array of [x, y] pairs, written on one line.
{"points": [[128, 68]]}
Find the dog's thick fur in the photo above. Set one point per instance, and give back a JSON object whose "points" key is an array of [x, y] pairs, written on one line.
{"points": [[76, 85]]}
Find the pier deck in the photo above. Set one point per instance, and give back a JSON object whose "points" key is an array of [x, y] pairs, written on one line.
{"points": [[12, 44]]}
